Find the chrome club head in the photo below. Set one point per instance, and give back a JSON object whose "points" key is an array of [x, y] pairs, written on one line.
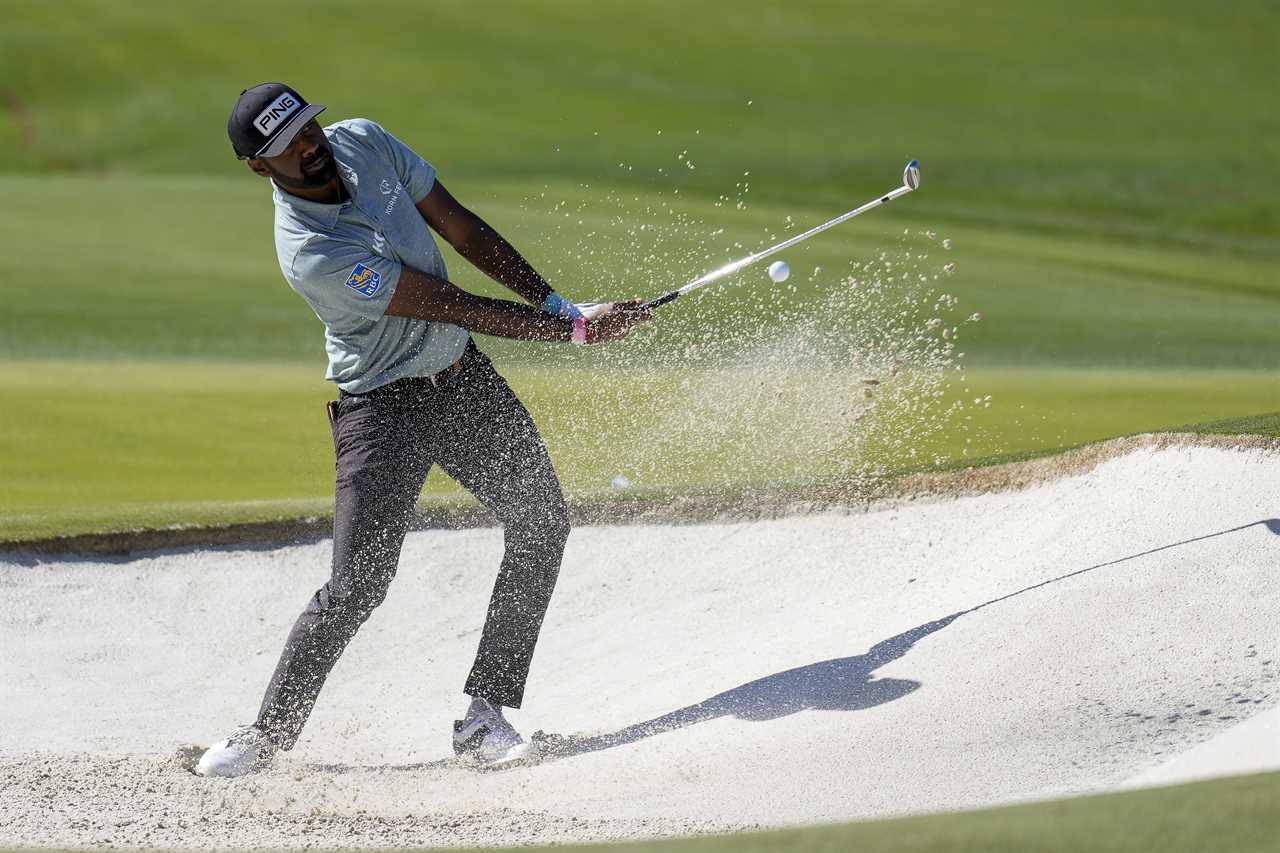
{"points": [[911, 175]]}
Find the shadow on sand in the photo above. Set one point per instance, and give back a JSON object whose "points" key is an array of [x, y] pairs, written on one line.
{"points": [[840, 684]]}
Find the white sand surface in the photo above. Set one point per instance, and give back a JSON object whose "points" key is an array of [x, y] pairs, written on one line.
{"points": [[936, 655], [1252, 746]]}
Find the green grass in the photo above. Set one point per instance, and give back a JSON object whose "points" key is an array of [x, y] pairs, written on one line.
{"points": [[185, 268], [1132, 119], [1108, 176], [116, 445], [1236, 814], [1268, 425]]}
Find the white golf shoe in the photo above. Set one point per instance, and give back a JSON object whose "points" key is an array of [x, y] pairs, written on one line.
{"points": [[486, 736], [249, 749]]}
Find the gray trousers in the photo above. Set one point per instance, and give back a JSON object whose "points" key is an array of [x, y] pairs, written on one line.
{"points": [[471, 425]]}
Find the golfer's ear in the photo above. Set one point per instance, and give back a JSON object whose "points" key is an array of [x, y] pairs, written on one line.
{"points": [[255, 165]]}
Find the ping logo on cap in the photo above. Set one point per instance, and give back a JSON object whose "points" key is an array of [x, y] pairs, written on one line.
{"points": [[273, 116]]}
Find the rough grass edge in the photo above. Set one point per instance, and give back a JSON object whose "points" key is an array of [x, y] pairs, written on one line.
{"points": [[995, 474]]}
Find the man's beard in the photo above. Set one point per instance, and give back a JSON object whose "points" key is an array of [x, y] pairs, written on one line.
{"points": [[311, 180]]}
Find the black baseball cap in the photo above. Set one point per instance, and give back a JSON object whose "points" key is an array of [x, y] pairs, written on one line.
{"points": [[266, 118]]}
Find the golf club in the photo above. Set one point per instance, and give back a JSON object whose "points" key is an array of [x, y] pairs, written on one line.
{"points": [[910, 181]]}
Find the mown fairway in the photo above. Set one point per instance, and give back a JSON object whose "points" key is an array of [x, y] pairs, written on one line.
{"points": [[1107, 178], [181, 442]]}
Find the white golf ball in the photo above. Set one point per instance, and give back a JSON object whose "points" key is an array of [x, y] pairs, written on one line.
{"points": [[620, 482], [778, 271]]}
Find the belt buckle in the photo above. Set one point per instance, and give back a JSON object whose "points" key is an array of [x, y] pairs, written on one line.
{"points": [[438, 379]]}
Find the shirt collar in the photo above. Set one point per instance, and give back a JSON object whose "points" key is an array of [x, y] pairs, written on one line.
{"points": [[319, 212]]}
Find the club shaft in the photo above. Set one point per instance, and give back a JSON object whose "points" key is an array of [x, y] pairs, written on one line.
{"points": [[741, 263]]}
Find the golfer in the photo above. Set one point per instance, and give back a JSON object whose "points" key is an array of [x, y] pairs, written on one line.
{"points": [[352, 208]]}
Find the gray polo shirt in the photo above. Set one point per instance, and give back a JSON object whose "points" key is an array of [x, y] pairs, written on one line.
{"points": [[345, 260]]}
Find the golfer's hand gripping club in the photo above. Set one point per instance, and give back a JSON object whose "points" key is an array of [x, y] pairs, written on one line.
{"points": [[613, 321], [910, 181]]}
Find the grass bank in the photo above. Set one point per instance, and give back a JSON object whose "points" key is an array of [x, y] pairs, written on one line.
{"points": [[1236, 814], [125, 445]]}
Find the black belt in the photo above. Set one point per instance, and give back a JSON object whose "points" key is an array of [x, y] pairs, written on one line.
{"points": [[447, 375], [442, 379]]}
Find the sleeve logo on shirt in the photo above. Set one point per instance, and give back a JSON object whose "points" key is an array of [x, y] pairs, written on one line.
{"points": [[364, 280]]}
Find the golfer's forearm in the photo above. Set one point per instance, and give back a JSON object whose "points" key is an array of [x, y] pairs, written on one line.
{"points": [[484, 247], [490, 253], [425, 297], [512, 320]]}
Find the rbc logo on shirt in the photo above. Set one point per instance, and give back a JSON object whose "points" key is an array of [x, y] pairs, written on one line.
{"points": [[364, 280]]}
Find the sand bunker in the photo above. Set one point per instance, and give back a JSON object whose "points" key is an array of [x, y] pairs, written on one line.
{"points": [[1066, 637]]}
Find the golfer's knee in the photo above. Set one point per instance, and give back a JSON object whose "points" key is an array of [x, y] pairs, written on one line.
{"points": [[555, 523], [354, 610], [352, 602]]}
